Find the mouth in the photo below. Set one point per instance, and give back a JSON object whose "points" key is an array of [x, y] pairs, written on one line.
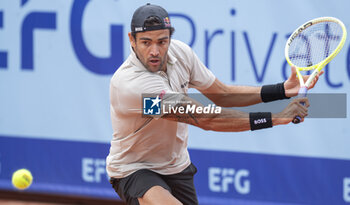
{"points": [[154, 62]]}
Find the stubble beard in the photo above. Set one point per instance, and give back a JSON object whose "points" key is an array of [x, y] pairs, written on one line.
{"points": [[144, 62]]}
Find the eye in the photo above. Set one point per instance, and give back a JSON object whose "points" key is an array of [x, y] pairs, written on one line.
{"points": [[146, 43], [163, 42]]}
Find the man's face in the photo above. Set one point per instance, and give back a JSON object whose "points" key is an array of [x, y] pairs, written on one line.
{"points": [[151, 47]]}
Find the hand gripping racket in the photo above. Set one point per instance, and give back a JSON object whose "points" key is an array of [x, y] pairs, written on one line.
{"points": [[312, 46]]}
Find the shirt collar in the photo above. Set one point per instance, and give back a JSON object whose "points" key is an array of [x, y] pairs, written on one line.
{"points": [[135, 60]]}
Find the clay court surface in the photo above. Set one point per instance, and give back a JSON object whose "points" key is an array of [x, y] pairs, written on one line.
{"points": [[30, 198], [14, 202]]}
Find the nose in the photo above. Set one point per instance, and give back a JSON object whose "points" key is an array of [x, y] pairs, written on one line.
{"points": [[154, 50]]}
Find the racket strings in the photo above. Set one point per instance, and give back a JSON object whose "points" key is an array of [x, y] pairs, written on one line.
{"points": [[315, 43]]}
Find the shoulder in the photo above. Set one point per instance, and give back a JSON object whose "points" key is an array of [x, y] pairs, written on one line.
{"points": [[182, 52], [177, 46], [134, 81], [132, 78]]}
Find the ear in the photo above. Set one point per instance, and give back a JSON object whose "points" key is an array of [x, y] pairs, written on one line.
{"points": [[132, 40]]}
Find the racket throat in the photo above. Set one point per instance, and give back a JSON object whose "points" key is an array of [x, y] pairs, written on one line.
{"points": [[311, 78]]}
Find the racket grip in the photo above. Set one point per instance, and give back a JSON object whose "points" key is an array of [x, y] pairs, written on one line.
{"points": [[302, 93]]}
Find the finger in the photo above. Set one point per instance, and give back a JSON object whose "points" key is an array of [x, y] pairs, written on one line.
{"points": [[314, 81], [304, 100], [303, 112], [318, 75], [303, 109], [293, 75], [302, 115], [307, 102], [306, 77], [301, 119]]}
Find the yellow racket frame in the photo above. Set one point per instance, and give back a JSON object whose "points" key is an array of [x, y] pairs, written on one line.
{"points": [[318, 67]]}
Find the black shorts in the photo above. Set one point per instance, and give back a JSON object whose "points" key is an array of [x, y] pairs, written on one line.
{"points": [[137, 184]]}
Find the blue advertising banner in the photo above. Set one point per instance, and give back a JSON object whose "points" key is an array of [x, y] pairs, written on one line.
{"points": [[65, 167], [56, 61]]}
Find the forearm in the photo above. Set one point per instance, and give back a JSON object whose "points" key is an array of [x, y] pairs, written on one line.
{"points": [[223, 119], [228, 120], [255, 120], [247, 95], [240, 96]]}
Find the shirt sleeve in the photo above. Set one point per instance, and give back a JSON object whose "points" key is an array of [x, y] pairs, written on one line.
{"points": [[127, 92], [200, 76]]}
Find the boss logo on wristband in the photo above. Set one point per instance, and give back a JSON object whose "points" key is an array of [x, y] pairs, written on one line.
{"points": [[260, 120]]}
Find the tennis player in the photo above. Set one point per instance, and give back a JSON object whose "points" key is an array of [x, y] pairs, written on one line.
{"points": [[148, 161]]}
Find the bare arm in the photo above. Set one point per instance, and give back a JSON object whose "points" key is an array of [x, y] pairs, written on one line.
{"points": [[232, 96], [239, 96], [229, 120]]}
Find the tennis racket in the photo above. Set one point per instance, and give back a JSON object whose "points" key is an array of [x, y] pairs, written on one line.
{"points": [[312, 46]]}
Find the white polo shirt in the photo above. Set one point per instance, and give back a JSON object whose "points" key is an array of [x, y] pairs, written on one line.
{"points": [[147, 143]]}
